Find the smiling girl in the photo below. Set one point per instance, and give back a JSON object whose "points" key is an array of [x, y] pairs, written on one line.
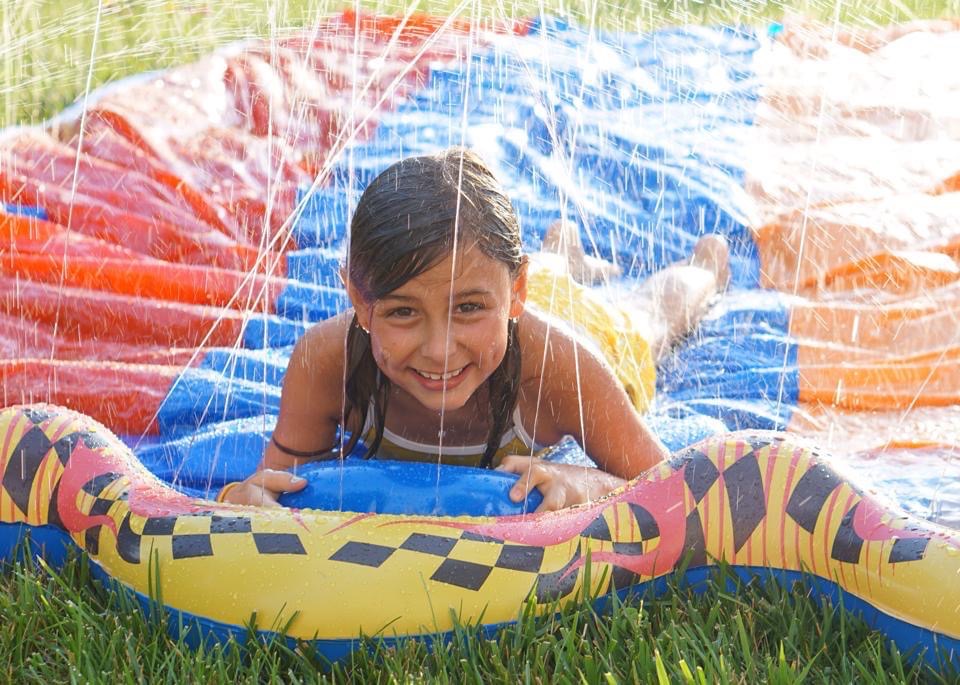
{"points": [[453, 351]]}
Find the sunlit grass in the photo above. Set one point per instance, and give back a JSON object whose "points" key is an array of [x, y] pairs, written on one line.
{"points": [[63, 626], [48, 46]]}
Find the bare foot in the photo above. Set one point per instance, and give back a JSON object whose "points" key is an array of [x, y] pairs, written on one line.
{"points": [[713, 254], [563, 238]]}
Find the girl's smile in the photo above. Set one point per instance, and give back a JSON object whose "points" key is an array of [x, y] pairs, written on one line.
{"points": [[441, 376], [440, 335]]}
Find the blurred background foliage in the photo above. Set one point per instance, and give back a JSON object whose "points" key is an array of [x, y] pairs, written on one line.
{"points": [[55, 50]]}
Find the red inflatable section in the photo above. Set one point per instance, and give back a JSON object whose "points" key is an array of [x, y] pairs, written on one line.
{"points": [[168, 211]]}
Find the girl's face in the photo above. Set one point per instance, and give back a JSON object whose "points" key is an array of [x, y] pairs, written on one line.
{"points": [[440, 335]]}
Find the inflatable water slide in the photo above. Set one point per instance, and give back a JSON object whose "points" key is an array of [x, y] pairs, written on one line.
{"points": [[163, 247]]}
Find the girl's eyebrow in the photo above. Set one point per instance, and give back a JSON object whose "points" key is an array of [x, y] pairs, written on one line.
{"points": [[472, 292], [401, 298]]}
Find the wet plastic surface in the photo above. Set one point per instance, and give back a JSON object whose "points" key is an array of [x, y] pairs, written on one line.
{"points": [[415, 488], [162, 294]]}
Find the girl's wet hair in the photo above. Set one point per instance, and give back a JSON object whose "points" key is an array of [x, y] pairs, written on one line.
{"points": [[408, 219]]}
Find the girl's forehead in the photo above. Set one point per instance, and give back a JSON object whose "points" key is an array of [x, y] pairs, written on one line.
{"points": [[468, 265]]}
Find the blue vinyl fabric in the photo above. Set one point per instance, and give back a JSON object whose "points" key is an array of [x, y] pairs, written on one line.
{"points": [[24, 210], [635, 137]]}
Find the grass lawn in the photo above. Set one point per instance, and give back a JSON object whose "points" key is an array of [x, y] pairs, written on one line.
{"points": [[64, 626], [54, 50]]}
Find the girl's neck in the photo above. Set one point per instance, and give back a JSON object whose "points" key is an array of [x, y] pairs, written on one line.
{"points": [[465, 425]]}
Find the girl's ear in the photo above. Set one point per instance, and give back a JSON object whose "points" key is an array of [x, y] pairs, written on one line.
{"points": [[360, 306], [518, 294]]}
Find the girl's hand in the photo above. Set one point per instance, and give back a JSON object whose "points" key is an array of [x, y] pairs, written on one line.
{"points": [[262, 488], [562, 485]]}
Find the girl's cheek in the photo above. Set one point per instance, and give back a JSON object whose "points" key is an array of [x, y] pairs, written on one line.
{"points": [[493, 354], [379, 352]]}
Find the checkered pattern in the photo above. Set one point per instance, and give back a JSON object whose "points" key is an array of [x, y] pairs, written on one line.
{"points": [[471, 575], [450, 570], [847, 545], [184, 545], [746, 499], [193, 535], [807, 500]]}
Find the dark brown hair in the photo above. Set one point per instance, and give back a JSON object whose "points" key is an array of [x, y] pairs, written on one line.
{"points": [[407, 220]]}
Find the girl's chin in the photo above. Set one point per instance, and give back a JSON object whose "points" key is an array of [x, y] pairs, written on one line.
{"points": [[446, 407], [452, 400]]}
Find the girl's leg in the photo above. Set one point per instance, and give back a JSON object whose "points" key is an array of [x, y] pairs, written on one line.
{"points": [[676, 298], [669, 303], [563, 238]]}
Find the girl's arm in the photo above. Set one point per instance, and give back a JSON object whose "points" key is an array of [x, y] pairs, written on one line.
{"points": [[592, 406], [572, 391], [310, 409]]}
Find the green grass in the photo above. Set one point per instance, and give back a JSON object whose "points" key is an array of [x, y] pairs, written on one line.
{"points": [[62, 626], [53, 51]]}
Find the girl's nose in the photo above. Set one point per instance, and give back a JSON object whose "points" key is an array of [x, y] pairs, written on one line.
{"points": [[439, 342]]}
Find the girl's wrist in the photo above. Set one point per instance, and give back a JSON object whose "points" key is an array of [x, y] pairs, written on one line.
{"points": [[225, 490]]}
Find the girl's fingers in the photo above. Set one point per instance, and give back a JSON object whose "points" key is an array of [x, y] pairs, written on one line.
{"points": [[277, 481], [250, 494], [530, 477], [517, 463], [260, 497], [262, 488], [508, 464], [552, 501]]}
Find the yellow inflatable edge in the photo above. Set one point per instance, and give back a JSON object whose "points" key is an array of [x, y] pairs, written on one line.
{"points": [[749, 499]]}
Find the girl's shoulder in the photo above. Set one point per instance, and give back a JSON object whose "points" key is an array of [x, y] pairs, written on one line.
{"points": [[548, 346], [311, 401], [327, 334], [320, 351], [561, 373]]}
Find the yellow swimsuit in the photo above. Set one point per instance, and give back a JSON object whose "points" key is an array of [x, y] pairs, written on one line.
{"points": [[616, 331], [613, 330], [514, 441]]}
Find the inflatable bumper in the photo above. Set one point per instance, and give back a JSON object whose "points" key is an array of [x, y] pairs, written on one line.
{"points": [[757, 501]]}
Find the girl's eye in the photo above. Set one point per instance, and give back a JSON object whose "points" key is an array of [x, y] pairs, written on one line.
{"points": [[469, 307], [400, 312]]}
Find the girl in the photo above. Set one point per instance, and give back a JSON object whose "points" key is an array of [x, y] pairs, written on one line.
{"points": [[447, 354]]}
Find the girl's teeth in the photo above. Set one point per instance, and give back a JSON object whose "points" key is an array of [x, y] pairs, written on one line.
{"points": [[440, 376]]}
